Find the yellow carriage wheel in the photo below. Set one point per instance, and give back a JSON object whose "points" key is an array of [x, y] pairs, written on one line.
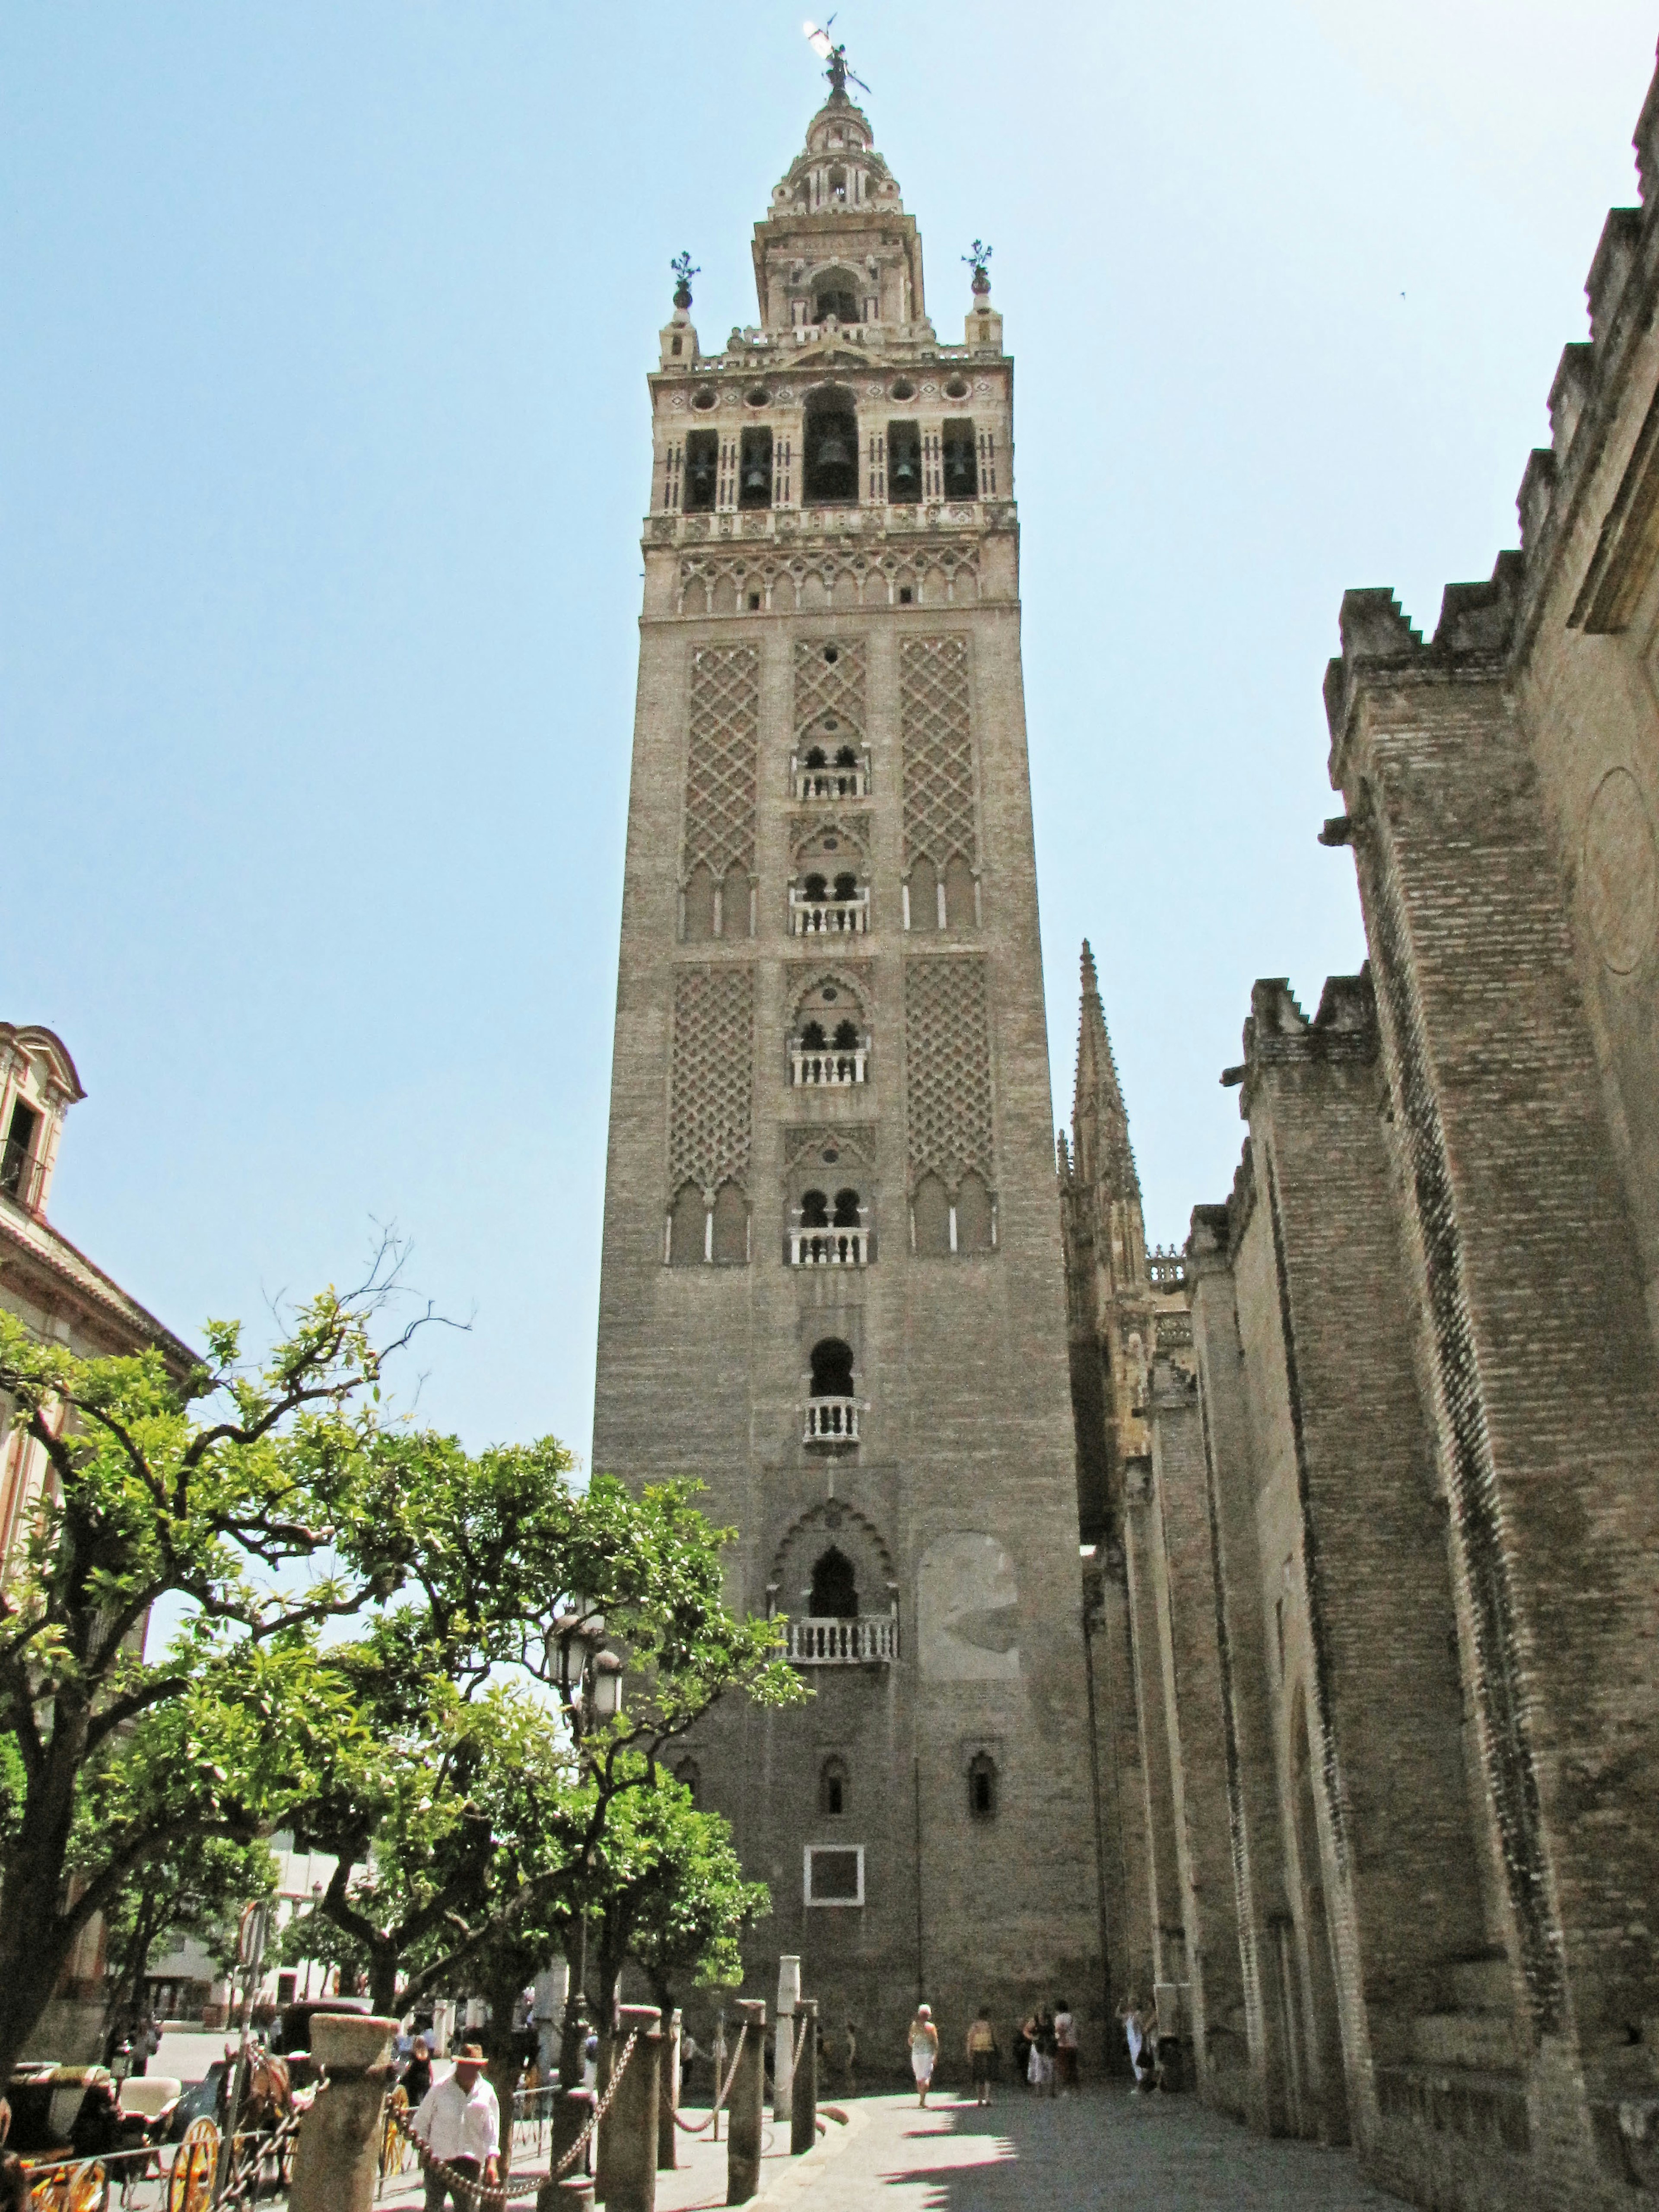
{"points": [[394, 2144], [190, 2184], [87, 2190]]}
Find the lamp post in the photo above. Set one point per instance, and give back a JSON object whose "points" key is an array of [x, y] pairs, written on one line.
{"points": [[590, 1679]]}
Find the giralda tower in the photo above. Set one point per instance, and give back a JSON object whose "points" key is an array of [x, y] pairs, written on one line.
{"points": [[832, 1286]]}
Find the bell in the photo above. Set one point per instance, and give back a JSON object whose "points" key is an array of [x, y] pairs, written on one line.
{"points": [[834, 452], [756, 476], [904, 471], [701, 473]]}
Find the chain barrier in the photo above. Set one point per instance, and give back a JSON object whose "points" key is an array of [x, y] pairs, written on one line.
{"points": [[244, 2172], [722, 2090], [477, 2193]]}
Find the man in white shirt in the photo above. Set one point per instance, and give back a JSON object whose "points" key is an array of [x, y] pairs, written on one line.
{"points": [[460, 2122]]}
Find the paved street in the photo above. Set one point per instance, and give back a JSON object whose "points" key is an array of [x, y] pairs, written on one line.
{"points": [[1102, 2149]]}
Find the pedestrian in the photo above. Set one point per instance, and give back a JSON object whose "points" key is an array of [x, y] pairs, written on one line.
{"points": [[1066, 2044], [1135, 2034], [1022, 2048], [852, 2057], [924, 2050], [1043, 2054], [981, 2050], [460, 2124], [416, 2077]]}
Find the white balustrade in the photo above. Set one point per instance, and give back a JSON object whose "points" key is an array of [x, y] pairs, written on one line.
{"points": [[831, 1421], [829, 1248], [872, 1638], [852, 782], [829, 917], [829, 1065]]}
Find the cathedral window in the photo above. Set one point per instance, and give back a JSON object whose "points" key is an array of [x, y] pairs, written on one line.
{"points": [[821, 1237], [982, 1786], [930, 1216], [754, 469], [835, 1594], [688, 1228], [729, 1228], [961, 467], [830, 443], [903, 462], [832, 1412], [20, 1143], [834, 1877], [702, 460], [834, 1792]]}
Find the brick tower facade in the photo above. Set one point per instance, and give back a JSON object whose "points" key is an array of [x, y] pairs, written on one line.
{"points": [[832, 1286]]}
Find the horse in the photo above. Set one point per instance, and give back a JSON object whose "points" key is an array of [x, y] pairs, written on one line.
{"points": [[267, 2100]]}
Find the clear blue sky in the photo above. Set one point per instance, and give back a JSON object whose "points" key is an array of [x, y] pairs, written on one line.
{"points": [[324, 447]]}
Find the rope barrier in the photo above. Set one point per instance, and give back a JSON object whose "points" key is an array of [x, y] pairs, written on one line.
{"points": [[477, 2192], [722, 2091]]}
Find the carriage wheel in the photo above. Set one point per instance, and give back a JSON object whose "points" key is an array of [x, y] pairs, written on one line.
{"points": [[87, 2191], [394, 2148], [190, 2184]]}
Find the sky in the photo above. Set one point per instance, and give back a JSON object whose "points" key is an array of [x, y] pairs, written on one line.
{"points": [[324, 451]]}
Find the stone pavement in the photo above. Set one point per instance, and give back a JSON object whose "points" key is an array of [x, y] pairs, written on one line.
{"points": [[1102, 2149]]}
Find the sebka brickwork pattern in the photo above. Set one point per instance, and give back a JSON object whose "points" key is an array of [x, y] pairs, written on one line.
{"points": [[939, 750], [721, 758], [712, 1078], [830, 680], [947, 1053]]}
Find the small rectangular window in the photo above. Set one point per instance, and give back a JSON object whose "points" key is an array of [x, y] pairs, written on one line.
{"points": [[14, 1153], [754, 469], [702, 461], [835, 1874], [903, 463], [960, 467]]}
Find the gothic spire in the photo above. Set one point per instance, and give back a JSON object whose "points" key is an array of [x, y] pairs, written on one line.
{"points": [[1100, 1122]]}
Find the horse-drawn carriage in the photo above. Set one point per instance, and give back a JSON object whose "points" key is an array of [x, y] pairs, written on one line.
{"points": [[65, 2137]]}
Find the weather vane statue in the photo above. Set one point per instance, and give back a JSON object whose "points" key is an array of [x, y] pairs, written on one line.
{"points": [[833, 56], [977, 258], [683, 272]]}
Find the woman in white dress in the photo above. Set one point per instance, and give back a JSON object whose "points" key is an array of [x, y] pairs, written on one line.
{"points": [[924, 2048]]}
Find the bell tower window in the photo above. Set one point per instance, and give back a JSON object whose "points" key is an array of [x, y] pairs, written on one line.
{"points": [[904, 462], [961, 468], [831, 476], [754, 469], [19, 1144], [703, 462]]}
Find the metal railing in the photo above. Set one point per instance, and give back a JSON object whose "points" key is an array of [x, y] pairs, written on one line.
{"points": [[870, 1638], [20, 1174]]}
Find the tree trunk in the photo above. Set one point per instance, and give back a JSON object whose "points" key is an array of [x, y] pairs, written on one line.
{"points": [[499, 2036], [122, 2015], [383, 1981], [35, 1935]]}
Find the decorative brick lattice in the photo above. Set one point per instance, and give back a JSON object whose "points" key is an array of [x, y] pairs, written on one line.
{"points": [[947, 1057], [939, 750], [713, 1078], [721, 758], [830, 687]]}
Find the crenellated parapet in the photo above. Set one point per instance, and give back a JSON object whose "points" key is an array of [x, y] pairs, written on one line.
{"points": [[1278, 1034]]}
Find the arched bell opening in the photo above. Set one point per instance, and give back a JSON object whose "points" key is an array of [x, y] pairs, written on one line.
{"points": [[830, 447]]}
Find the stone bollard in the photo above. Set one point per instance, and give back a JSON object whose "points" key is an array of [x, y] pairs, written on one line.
{"points": [[629, 2127], [336, 2162], [804, 2109], [747, 2105], [571, 2114], [783, 2035], [573, 2194], [668, 2095]]}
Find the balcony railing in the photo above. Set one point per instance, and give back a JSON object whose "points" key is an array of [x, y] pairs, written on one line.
{"points": [[869, 1640], [19, 1175], [831, 1421], [829, 1248], [827, 1066], [852, 782], [829, 917]]}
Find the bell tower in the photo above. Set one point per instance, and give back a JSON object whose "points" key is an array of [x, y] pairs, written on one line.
{"points": [[832, 1286]]}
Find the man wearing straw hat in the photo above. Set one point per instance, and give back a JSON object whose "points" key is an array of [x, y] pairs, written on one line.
{"points": [[460, 2124]]}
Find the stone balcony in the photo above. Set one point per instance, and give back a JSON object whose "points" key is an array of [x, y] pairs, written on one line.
{"points": [[829, 917], [830, 1248], [837, 781], [827, 1067], [799, 528], [872, 1639], [833, 1421]]}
